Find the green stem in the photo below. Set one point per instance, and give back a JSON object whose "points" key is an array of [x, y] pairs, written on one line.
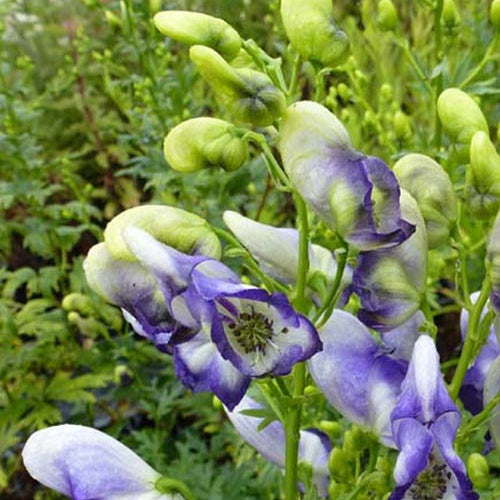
{"points": [[169, 485], [303, 264], [294, 78], [471, 339], [438, 12], [488, 56]]}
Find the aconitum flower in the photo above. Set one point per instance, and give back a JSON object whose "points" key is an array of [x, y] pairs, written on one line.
{"points": [[391, 282], [314, 446], [86, 464], [258, 332], [493, 263], [424, 425], [491, 389], [356, 195], [356, 376]]}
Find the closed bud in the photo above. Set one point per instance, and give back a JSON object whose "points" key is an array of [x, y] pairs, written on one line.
{"points": [[460, 115], [339, 465], [386, 92], [450, 17], [402, 126], [478, 471], [154, 5], [112, 18], [333, 429], [249, 94], [387, 16], [344, 91], [177, 228], [78, 302], [483, 177], [355, 441], [433, 191], [337, 490], [312, 31], [195, 28], [202, 143], [495, 14]]}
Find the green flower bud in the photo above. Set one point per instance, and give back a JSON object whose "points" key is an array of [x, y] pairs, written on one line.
{"points": [[250, 95], [354, 441], [433, 191], [495, 14], [478, 471], [195, 28], [112, 18], [78, 302], [483, 177], [386, 92], [174, 227], [312, 31], [333, 429], [344, 91], [460, 115], [387, 16], [202, 143], [155, 5], [402, 126], [450, 16], [337, 490], [339, 466]]}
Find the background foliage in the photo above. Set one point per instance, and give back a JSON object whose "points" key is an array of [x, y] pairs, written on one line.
{"points": [[88, 89]]}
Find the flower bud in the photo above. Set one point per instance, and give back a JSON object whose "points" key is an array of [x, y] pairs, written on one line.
{"points": [[433, 191], [249, 94], [460, 115], [387, 16], [402, 126], [450, 16], [312, 31], [195, 28], [483, 177], [495, 14], [333, 429], [339, 466], [177, 228], [202, 143], [78, 302], [478, 471]]}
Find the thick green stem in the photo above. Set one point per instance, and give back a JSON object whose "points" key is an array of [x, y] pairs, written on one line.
{"points": [[303, 266], [471, 339]]}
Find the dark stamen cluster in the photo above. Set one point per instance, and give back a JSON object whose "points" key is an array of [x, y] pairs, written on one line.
{"points": [[431, 482], [252, 331]]}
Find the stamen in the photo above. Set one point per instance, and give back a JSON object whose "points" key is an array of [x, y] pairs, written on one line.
{"points": [[431, 483]]}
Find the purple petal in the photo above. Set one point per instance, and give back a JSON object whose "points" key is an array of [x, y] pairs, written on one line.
{"points": [[491, 389], [87, 464], [400, 341], [199, 366]]}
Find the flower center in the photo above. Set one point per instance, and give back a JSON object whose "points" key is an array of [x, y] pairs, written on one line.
{"points": [[252, 330], [431, 483]]}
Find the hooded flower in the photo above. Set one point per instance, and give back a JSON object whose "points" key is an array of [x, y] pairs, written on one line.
{"points": [[356, 376], [86, 464], [424, 425], [314, 446], [491, 389], [391, 282], [356, 195], [258, 332], [471, 392]]}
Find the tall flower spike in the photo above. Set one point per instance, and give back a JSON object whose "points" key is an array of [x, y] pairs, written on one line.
{"points": [[314, 446], [258, 332], [86, 464], [424, 425], [356, 195], [391, 282], [356, 377]]}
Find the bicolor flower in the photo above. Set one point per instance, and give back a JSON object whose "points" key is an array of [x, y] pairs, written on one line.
{"points": [[86, 464], [258, 332], [356, 195], [424, 425], [471, 392], [391, 282], [493, 263], [491, 389], [276, 249], [314, 446], [356, 376]]}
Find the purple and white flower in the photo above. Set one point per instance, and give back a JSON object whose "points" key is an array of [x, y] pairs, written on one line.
{"points": [[86, 464], [314, 446], [493, 263], [491, 390], [424, 425], [356, 195]]}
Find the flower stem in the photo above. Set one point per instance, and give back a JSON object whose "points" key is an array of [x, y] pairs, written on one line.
{"points": [[471, 339], [303, 267]]}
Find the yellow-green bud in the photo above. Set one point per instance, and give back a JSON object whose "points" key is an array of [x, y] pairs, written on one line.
{"points": [[483, 177], [478, 471], [195, 28], [337, 490], [154, 5], [250, 95], [333, 429], [177, 228], [402, 125], [387, 16], [354, 440], [112, 18], [386, 92], [460, 115], [338, 463], [78, 302], [202, 143], [433, 191], [344, 91], [450, 16], [495, 14], [312, 31]]}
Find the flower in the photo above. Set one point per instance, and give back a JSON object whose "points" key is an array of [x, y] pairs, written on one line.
{"points": [[314, 446], [391, 282], [493, 263], [356, 195], [86, 464], [492, 389], [424, 425], [356, 376], [471, 392], [258, 332]]}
